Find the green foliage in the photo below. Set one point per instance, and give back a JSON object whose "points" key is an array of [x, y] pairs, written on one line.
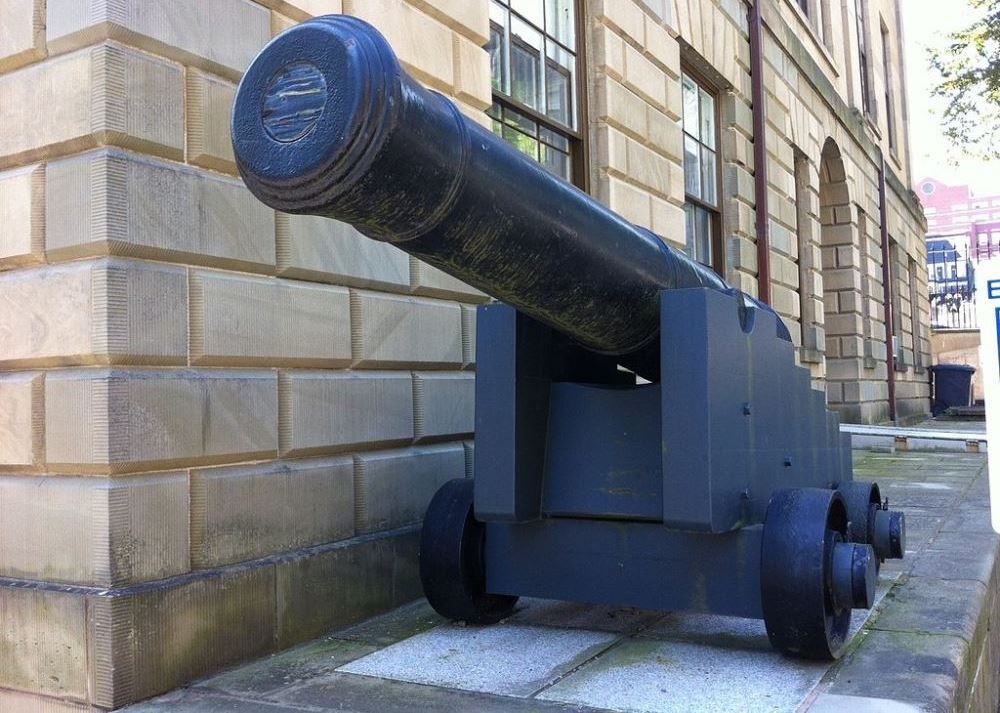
{"points": [[970, 83]]}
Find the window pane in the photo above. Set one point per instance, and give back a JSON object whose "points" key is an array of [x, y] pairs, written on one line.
{"points": [[556, 161], [704, 236], [698, 233], [553, 138], [707, 118], [530, 10], [709, 178], [560, 21], [689, 233], [692, 168], [690, 96], [559, 84], [525, 64], [498, 64], [520, 121], [524, 144]]}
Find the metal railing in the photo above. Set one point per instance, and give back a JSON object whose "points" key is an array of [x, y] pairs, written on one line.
{"points": [[952, 290]]}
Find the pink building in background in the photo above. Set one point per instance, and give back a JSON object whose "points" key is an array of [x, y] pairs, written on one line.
{"points": [[973, 222]]}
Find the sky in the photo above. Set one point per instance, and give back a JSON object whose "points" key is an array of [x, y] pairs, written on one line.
{"points": [[926, 23]]}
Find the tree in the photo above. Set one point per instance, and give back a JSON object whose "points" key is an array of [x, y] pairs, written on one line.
{"points": [[970, 83]]}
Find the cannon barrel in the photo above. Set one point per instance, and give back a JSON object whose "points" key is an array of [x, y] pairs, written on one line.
{"points": [[326, 122]]}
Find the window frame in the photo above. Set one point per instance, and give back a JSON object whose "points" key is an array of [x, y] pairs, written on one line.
{"points": [[864, 57], [579, 160], [718, 258], [890, 95]]}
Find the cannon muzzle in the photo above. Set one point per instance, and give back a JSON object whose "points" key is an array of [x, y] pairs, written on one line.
{"points": [[326, 122]]}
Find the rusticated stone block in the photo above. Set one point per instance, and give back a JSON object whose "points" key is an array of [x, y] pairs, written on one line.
{"points": [[470, 19], [324, 411], [470, 458], [472, 70], [304, 9], [393, 488], [221, 36], [22, 216], [149, 640], [104, 94], [99, 311], [244, 512], [209, 105], [94, 531], [22, 33], [468, 336], [244, 320], [43, 642], [18, 702], [443, 404], [100, 203], [21, 419], [120, 420], [423, 44], [428, 280], [394, 331], [324, 250], [364, 577]]}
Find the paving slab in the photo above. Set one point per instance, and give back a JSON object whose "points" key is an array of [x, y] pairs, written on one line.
{"points": [[648, 676], [927, 645], [513, 660]]}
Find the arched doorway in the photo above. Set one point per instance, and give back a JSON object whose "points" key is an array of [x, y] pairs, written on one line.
{"points": [[849, 270]]}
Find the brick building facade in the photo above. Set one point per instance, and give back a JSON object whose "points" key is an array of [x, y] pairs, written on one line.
{"points": [[219, 426]]}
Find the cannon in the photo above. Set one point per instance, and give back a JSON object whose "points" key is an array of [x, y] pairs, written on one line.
{"points": [[643, 434]]}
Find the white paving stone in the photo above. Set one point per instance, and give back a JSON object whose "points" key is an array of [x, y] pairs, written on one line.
{"points": [[508, 660], [647, 676]]}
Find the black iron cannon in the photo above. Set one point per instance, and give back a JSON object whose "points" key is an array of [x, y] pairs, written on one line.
{"points": [[724, 485]]}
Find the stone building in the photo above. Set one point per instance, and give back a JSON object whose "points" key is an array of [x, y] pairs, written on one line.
{"points": [[219, 426]]}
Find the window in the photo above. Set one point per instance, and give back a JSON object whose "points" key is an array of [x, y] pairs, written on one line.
{"points": [[863, 69], [701, 173], [804, 6], [890, 99], [533, 59], [940, 273]]}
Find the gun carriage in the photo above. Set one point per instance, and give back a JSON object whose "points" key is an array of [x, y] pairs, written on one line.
{"points": [[643, 435]]}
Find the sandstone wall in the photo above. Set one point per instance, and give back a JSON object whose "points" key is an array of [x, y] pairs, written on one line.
{"points": [[219, 426]]}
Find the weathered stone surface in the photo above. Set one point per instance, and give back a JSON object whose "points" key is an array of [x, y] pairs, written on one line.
{"points": [[935, 606], [99, 311], [119, 420], [17, 702], [244, 512], [246, 321], [209, 105], [104, 94], [923, 669], [394, 331], [428, 280], [222, 35], [149, 640], [324, 250], [43, 642], [100, 203], [22, 33], [468, 336], [323, 411], [93, 531], [344, 584], [412, 33], [22, 222], [21, 419], [393, 488], [443, 404]]}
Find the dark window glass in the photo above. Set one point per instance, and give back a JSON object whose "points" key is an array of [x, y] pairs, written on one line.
{"points": [[890, 99]]}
